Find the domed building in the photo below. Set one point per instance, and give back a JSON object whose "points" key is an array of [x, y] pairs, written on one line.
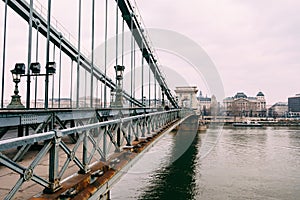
{"points": [[242, 105]]}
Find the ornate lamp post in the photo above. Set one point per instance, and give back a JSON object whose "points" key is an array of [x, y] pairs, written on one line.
{"points": [[16, 98], [118, 101]]}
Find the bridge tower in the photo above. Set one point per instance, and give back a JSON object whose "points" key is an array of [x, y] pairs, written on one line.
{"points": [[187, 97]]}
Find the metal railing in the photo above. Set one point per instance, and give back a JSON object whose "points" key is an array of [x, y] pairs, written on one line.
{"points": [[95, 142]]}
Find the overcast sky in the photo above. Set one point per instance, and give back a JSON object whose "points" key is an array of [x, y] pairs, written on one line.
{"points": [[254, 44]]}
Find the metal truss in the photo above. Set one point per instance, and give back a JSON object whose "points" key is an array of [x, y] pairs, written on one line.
{"points": [[96, 142], [38, 121]]}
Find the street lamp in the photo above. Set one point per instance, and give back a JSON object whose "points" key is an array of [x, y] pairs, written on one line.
{"points": [[119, 72], [118, 101], [35, 68], [16, 98], [51, 68]]}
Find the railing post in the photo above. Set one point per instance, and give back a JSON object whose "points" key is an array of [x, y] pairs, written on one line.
{"points": [[129, 134], [20, 131], [52, 121], [152, 123], [149, 125], [105, 143], [136, 130], [85, 153], [157, 119], [144, 122], [166, 118], [53, 165], [119, 137]]}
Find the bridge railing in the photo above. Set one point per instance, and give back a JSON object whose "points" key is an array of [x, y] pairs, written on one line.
{"points": [[95, 142]]}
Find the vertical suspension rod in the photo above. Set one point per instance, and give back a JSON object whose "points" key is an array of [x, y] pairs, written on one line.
{"points": [[29, 55], [133, 69], [59, 81], [105, 53], [52, 100], [4, 54], [93, 43], [131, 53], [47, 54], [71, 85], [117, 31], [36, 58], [155, 87], [142, 76], [78, 56], [122, 42], [149, 85]]}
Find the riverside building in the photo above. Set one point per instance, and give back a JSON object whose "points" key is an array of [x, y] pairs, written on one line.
{"points": [[294, 105], [243, 105]]}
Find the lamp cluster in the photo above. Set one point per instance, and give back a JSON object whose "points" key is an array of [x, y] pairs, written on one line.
{"points": [[19, 71], [35, 69]]}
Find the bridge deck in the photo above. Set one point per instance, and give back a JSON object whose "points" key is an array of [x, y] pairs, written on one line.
{"points": [[101, 174], [113, 169]]}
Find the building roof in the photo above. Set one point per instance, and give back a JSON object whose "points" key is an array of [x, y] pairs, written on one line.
{"points": [[281, 104], [296, 96], [240, 95], [260, 94], [186, 89], [203, 99]]}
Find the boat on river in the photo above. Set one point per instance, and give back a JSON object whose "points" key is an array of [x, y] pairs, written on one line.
{"points": [[247, 124]]}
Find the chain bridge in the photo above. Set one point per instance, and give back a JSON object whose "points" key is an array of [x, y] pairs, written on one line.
{"points": [[68, 127]]}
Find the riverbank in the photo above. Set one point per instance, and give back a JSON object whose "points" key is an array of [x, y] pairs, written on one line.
{"points": [[264, 121]]}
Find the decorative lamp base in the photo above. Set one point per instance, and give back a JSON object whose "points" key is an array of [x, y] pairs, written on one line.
{"points": [[16, 102]]}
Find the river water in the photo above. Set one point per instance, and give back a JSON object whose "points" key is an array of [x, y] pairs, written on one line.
{"points": [[228, 163]]}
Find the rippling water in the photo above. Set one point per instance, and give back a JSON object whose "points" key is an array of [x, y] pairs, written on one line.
{"points": [[248, 163]]}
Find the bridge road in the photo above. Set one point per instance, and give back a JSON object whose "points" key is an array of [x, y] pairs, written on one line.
{"points": [[8, 178]]}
